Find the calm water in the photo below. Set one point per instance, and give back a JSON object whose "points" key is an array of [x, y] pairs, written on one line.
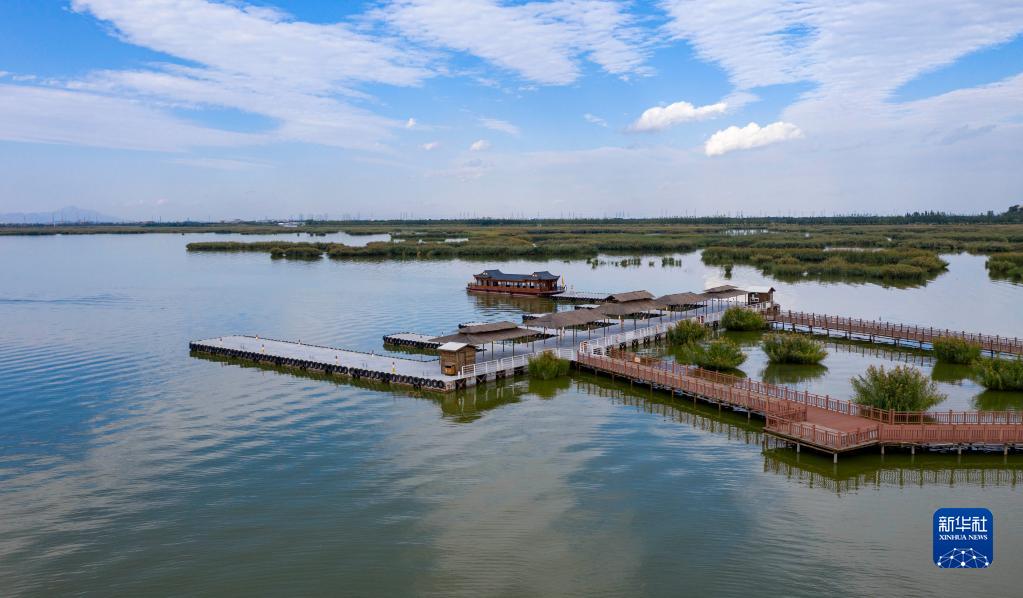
{"points": [[129, 467]]}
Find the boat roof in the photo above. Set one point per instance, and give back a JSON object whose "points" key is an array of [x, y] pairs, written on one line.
{"points": [[498, 275]]}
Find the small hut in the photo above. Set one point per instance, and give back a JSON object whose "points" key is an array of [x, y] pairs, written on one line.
{"points": [[758, 295], [455, 355]]}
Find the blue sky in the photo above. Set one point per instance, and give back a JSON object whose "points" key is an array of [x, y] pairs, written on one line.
{"points": [[149, 109]]}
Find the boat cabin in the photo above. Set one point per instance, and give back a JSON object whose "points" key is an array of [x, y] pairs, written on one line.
{"points": [[538, 283]]}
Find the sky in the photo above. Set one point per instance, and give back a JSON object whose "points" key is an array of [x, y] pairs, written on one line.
{"points": [[173, 109]]}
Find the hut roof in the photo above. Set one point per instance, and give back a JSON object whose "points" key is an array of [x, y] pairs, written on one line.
{"points": [[680, 299], [476, 334], [723, 292], [629, 307], [567, 319], [486, 327], [452, 346], [630, 296]]}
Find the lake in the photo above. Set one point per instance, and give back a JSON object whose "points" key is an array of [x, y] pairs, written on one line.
{"points": [[129, 467]]}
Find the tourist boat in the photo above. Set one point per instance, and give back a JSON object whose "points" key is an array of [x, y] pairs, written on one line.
{"points": [[541, 284]]}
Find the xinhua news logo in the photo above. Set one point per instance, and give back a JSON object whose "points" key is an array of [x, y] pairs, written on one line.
{"points": [[964, 538]]}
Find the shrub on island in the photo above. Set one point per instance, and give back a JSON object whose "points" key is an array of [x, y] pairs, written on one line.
{"points": [[956, 350], [901, 388], [793, 348]]}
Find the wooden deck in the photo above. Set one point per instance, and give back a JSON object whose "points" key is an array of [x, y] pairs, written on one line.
{"points": [[873, 330], [818, 421]]}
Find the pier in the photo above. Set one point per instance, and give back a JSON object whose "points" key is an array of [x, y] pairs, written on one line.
{"points": [[800, 419]]}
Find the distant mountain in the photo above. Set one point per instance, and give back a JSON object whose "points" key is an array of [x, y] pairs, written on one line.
{"points": [[68, 215]]}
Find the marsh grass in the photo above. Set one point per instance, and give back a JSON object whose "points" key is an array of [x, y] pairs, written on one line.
{"points": [[793, 348], [896, 251], [955, 350], [999, 374], [743, 320], [1006, 265], [901, 388], [686, 332], [719, 354], [547, 366]]}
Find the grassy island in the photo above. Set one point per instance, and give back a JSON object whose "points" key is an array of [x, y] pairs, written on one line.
{"points": [[793, 348]]}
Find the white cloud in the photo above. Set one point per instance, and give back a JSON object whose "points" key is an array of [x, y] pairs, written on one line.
{"points": [[591, 118], [300, 75], [479, 145], [410, 123], [431, 145], [500, 125], [46, 115], [752, 135], [541, 41], [228, 164], [659, 118]]}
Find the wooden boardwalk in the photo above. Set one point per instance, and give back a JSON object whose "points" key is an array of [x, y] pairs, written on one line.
{"points": [[898, 333], [818, 421]]}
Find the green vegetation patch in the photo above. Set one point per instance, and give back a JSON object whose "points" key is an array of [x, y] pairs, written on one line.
{"points": [[548, 366], [956, 350], [1006, 265], [719, 354], [901, 251], [686, 332], [823, 263], [1000, 374], [793, 348], [742, 319], [902, 388]]}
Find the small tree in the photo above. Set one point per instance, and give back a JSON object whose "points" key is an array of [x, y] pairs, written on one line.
{"points": [[901, 388], [956, 350], [742, 319]]}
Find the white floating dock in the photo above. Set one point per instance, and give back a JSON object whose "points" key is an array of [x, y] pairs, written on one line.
{"points": [[412, 372]]}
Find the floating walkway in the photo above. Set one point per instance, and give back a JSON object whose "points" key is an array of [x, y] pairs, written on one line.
{"points": [[873, 330], [328, 360], [412, 339], [415, 373], [580, 297]]}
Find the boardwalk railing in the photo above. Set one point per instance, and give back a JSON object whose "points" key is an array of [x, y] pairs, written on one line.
{"points": [[510, 363], [910, 332], [601, 346], [683, 380], [951, 434], [821, 436]]}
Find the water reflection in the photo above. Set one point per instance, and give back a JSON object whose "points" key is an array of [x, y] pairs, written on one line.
{"points": [[853, 472], [999, 400], [529, 305], [469, 405], [790, 373], [548, 389], [952, 373], [464, 406], [859, 472]]}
